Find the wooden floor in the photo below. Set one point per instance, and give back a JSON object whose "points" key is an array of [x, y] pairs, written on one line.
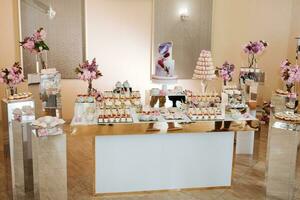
{"points": [[248, 176]]}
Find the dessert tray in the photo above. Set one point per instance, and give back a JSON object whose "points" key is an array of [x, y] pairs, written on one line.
{"points": [[85, 99], [149, 115], [19, 96], [204, 114], [288, 116], [204, 100], [115, 116], [122, 100], [281, 92], [174, 114]]}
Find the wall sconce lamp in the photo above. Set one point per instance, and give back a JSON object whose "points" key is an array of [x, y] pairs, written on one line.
{"points": [[184, 14], [51, 13]]}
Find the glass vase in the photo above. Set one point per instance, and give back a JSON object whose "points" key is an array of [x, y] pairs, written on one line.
{"points": [[289, 88], [41, 61], [90, 88], [252, 61], [11, 90]]}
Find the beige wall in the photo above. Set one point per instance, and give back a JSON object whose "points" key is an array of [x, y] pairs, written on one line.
{"points": [[238, 21], [294, 30], [9, 47], [189, 36], [119, 35]]}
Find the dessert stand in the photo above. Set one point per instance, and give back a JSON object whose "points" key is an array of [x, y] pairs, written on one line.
{"points": [[204, 70], [17, 150], [50, 163], [283, 147], [283, 144]]}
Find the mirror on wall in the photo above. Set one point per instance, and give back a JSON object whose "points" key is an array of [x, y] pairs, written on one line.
{"points": [[186, 23], [63, 20]]}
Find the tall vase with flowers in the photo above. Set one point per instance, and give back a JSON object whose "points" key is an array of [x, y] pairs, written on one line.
{"points": [[289, 75], [12, 76], [253, 50], [36, 45], [88, 71], [226, 72]]}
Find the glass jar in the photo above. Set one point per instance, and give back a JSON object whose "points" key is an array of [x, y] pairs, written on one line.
{"points": [[11, 90]]}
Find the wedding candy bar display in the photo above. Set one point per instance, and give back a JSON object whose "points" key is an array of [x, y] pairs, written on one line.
{"points": [[190, 145]]}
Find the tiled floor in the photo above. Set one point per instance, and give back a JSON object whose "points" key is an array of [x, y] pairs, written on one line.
{"points": [[248, 176]]}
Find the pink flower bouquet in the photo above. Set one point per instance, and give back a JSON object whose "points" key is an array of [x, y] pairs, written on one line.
{"points": [[35, 43], [12, 76], [289, 74], [253, 49], [226, 71], [88, 72]]}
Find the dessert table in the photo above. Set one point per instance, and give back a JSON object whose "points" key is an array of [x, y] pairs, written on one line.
{"points": [[129, 159]]}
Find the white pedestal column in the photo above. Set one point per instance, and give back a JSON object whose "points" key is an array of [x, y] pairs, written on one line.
{"points": [[244, 142]]}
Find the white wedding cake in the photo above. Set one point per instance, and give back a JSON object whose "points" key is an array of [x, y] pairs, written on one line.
{"points": [[165, 65], [204, 69]]}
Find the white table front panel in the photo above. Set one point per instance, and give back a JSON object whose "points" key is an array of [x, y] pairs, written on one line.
{"points": [[163, 161]]}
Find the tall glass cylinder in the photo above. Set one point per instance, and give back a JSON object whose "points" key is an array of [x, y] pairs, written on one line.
{"points": [[41, 61], [11, 90]]}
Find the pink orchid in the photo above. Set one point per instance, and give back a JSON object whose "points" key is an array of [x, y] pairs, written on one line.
{"points": [[226, 71]]}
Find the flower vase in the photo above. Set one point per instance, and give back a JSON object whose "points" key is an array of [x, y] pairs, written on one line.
{"points": [[11, 90], [90, 88], [41, 61], [252, 61], [289, 88]]}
